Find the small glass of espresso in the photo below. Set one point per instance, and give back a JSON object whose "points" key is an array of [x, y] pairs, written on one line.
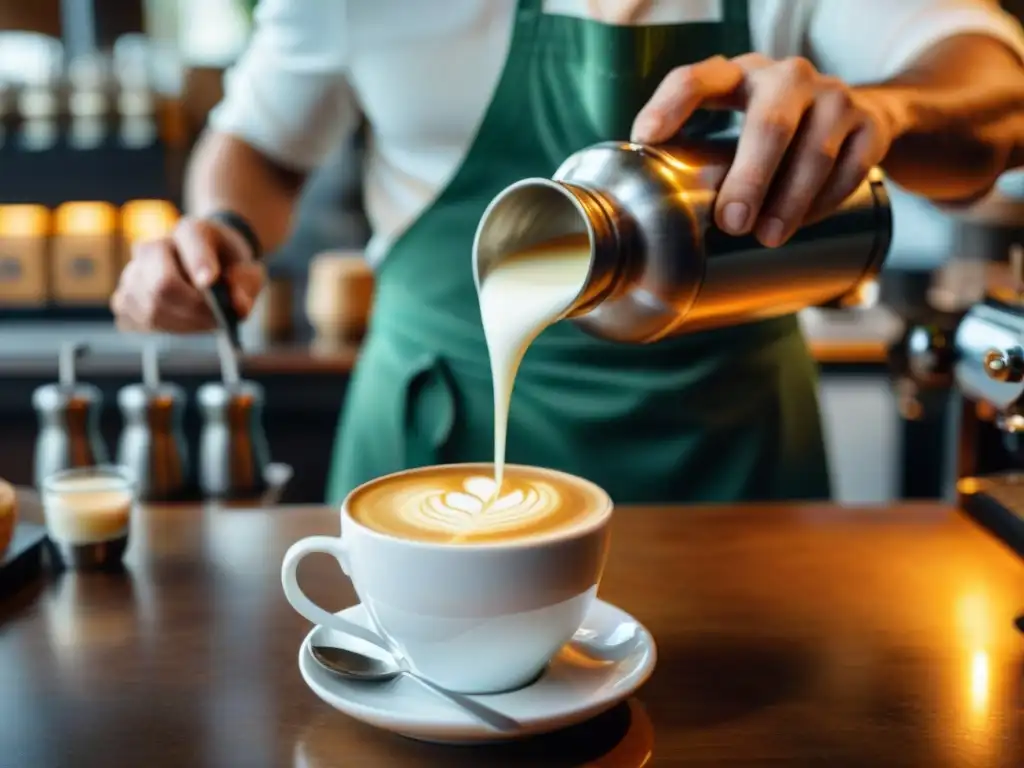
{"points": [[88, 514]]}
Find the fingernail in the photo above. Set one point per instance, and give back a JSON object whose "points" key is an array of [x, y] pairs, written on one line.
{"points": [[204, 276], [735, 216], [772, 231]]}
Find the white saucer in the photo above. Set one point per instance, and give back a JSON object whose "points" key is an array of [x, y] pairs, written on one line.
{"points": [[572, 689]]}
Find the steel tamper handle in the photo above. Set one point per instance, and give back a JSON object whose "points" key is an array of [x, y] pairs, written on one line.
{"points": [[229, 345]]}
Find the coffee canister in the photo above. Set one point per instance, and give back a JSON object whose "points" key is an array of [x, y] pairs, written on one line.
{"points": [[86, 265], [339, 297], [659, 265]]}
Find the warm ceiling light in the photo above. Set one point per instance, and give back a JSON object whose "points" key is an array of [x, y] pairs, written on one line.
{"points": [[24, 221], [86, 218], [147, 219]]}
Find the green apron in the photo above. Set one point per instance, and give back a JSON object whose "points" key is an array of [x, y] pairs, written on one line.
{"points": [[725, 415]]}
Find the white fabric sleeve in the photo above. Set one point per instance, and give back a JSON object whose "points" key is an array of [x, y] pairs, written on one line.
{"points": [[288, 95], [865, 41]]}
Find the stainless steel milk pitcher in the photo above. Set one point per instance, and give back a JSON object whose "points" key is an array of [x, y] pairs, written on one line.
{"points": [[659, 265]]}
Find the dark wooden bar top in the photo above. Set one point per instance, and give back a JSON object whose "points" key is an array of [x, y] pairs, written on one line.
{"points": [[788, 635]]}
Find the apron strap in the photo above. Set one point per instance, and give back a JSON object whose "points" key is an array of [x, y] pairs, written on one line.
{"points": [[736, 38]]}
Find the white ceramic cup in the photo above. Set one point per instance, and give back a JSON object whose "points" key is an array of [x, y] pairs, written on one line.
{"points": [[473, 618]]}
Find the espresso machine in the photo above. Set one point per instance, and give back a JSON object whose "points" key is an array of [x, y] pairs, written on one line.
{"points": [[980, 356], [931, 304]]}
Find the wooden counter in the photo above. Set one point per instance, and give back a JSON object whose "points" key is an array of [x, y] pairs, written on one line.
{"points": [[31, 350], [787, 636], [289, 359], [849, 352], [300, 358]]}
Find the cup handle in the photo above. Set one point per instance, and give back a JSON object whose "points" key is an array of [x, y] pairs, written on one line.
{"points": [[327, 545]]}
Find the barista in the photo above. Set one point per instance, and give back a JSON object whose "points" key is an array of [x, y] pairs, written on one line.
{"points": [[467, 96]]}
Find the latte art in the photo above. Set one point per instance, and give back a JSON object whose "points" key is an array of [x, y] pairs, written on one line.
{"points": [[464, 504], [477, 508]]}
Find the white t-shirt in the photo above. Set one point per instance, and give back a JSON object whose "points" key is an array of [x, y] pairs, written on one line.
{"points": [[423, 73]]}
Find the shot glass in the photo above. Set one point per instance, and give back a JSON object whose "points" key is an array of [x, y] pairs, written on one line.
{"points": [[88, 515]]}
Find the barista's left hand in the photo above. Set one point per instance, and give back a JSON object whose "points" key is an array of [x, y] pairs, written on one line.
{"points": [[808, 140]]}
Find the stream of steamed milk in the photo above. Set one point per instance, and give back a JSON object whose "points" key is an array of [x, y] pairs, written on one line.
{"points": [[524, 294]]}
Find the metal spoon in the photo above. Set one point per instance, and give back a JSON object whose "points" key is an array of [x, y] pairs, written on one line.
{"points": [[357, 666]]}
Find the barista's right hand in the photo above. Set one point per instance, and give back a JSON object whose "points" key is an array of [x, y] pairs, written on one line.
{"points": [[160, 287]]}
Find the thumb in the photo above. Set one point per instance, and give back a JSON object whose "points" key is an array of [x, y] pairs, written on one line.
{"points": [[196, 243], [245, 281]]}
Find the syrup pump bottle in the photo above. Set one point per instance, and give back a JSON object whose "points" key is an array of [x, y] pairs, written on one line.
{"points": [[152, 443], [68, 412]]}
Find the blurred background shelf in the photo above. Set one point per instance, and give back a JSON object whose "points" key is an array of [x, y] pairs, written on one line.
{"points": [[110, 173], [52, 313], [880, 448]]}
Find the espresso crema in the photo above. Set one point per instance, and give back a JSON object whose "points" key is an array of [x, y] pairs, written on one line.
{"points": [[82, 510], [460, 504]]}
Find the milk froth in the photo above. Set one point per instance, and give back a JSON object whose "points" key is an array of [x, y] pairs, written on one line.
{"points": [[526, 292]]}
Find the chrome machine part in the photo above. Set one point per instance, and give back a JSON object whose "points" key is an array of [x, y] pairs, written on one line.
{"points": [[990, 345]]}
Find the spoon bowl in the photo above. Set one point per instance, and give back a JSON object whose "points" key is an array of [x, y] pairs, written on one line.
{"points": [[361, 667], [358, 666]]}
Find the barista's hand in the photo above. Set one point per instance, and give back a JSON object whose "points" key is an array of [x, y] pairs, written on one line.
{"points": [[158, 288], [808, 140]]}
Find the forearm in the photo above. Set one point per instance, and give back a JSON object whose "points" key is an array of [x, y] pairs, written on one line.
{"points": [[226, 173], [958, 119]]}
